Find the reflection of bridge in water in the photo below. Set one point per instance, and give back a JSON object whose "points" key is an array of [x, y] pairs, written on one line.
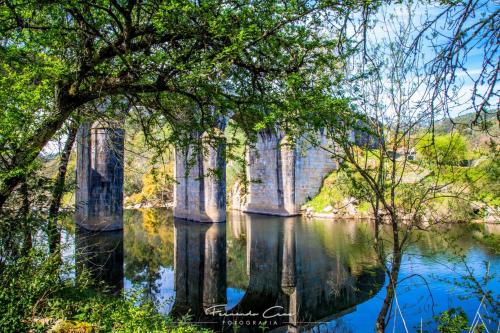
{"points": [[288, 270], [101, 253], [289, 273]]}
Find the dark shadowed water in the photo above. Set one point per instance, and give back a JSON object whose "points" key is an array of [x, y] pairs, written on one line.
{"points": [[256, 273]]}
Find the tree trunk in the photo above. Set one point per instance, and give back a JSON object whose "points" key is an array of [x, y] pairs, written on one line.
{"points": [[66, 102], [24, 212], [58, 190], [390, 290]]}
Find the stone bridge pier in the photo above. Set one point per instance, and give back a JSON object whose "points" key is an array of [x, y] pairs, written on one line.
{"points": [[200, 174], [281, 175], [99, 176]]}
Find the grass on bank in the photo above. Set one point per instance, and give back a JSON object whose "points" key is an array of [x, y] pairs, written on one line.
{"points": [[476, 185], [335, 193]]}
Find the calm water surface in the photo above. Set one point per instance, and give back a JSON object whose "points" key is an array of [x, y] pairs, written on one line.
{"points": [[293, 274]]}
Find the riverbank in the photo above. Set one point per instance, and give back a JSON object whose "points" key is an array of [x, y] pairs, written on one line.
{"points": [[348, 211], [353, 214]]}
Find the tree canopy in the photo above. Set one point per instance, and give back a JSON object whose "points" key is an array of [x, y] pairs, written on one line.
{"points": [[191, 61]]}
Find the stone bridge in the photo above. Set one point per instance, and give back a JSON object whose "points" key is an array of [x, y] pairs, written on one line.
{"points": [[280, 177]]}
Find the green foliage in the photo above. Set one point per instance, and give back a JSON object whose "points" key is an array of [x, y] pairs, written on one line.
{"points": [[25, 285], [448, 149], [189, 63], [329, 194], [235, 154], [484, 182], [18, 222], [157, 187], [26, 87], [491, 241], [462, 193], [453, 320], [337, 187], [149, 166], [111, 314], [33, 296], [364, 207]]}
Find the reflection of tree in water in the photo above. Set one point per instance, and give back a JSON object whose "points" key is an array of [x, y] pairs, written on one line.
{"points": [[148, 247], [350, 242], [237, 276], [353, 241], [449, 240]]}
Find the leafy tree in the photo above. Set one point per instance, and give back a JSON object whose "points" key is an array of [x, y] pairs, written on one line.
{"points": [[387, 96], [448, 149], [193, 62]]}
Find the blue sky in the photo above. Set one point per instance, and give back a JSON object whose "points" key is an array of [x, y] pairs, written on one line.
{"points": [[390, 17]]}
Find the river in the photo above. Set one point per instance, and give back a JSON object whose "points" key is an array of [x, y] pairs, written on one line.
{"points": [[282, 274]]}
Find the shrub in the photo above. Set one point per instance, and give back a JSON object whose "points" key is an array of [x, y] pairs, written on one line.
{"points": [[448, 149], [34, 297], [453, 320]]}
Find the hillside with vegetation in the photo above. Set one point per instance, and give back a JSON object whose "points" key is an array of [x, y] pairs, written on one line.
{"points": [[455, 154]]}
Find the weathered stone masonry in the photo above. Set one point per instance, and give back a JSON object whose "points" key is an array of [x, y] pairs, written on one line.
{"points": [[282, 176], [200, 190], [99, 194]]}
